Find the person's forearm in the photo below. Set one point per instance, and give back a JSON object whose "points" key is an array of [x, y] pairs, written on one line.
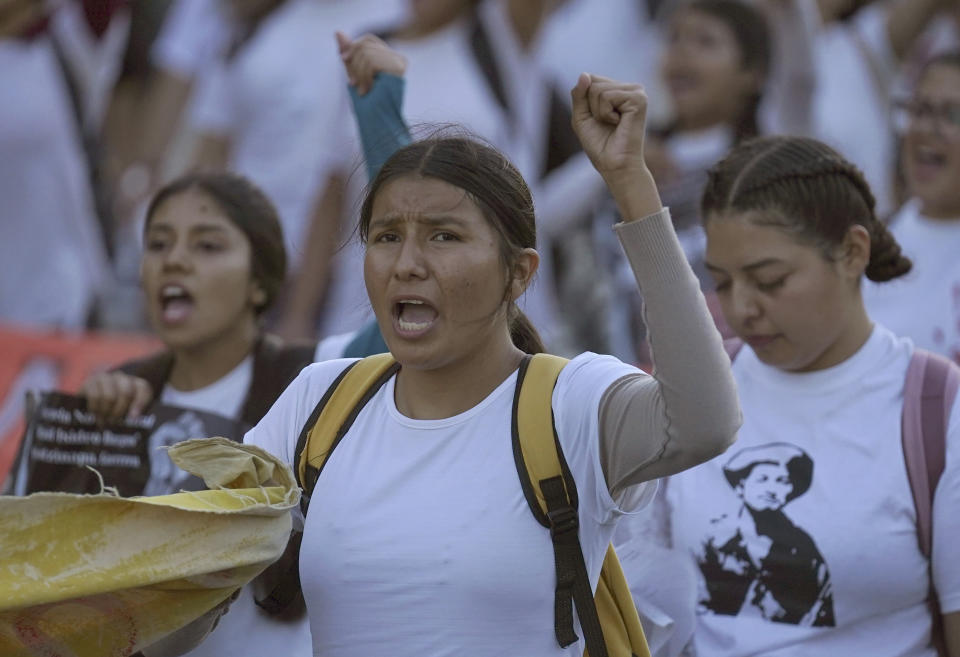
{"points": [[566, 195], [951, 630], [211, 152], [166, 99], [788, 103], [380, 120], [635, 193], [688, 411], [906, 20], [311, 278]]}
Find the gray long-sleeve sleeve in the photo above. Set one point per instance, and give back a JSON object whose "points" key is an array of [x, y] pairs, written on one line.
{"points": [[686, 412]]}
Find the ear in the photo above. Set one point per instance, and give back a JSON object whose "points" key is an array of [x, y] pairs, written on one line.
{"points": [[856, 251], [751, 81], [524, 267], [257, 295]]}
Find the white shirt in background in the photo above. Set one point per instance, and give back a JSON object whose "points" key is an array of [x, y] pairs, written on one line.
{"points": [[283, 104], [924, 304], [423, 525], [195, 34], [613, 38], [50, 241], [855, 71], [851, 537]]}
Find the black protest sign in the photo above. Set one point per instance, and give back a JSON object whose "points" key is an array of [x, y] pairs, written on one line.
{"points": [[63, 439]]}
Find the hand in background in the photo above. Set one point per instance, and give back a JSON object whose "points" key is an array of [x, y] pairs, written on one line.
{"points": [[115, 395], [366, 56], [609, 118]]}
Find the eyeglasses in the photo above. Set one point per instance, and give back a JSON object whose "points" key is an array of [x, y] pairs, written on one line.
{"points": [[945, 118]]}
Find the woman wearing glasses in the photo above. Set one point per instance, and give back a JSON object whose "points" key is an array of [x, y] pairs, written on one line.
{"points": [[925, 304]]}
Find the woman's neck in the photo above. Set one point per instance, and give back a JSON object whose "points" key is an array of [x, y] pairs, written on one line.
{"points": [[939, 212], [458, 386], [856, 334], [200, 365]]}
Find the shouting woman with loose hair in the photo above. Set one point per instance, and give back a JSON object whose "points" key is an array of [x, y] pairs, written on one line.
{"points": [[418, 519]]}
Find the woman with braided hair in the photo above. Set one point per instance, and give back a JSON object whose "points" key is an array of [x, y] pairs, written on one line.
{"points": [[804, 538]]}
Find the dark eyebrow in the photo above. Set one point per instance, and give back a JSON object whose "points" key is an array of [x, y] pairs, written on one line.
{"points": [[429, 220], [199, 228], [759, 264]]}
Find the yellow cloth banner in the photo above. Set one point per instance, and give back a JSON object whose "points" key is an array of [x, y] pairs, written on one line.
{"points": [[104, 576]]}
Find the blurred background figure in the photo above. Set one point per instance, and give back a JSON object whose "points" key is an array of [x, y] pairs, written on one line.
{"points": [[925, 304], [52, 243]]}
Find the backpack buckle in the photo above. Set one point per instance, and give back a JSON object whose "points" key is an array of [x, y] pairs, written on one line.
{"points": [[562, 521]]}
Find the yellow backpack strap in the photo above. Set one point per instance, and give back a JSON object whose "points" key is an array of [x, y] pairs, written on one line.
{"points": [[622, 630], [552, 496], [335, 413], [609, 619]]}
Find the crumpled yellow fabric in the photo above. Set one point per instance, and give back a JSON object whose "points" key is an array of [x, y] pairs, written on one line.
{"points": [[104, 576]]}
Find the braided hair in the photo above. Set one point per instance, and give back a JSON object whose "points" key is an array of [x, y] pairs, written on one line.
{"points": [[805, 187]]}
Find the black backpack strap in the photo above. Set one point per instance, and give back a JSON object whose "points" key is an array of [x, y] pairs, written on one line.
{"points": [[275, 366], [486, 59], [562, 142], [573, 581], [310, 477], [558, 512]]}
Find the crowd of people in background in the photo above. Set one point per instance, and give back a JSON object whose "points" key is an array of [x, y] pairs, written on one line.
{"points": [[799, 146], [110, 100]]}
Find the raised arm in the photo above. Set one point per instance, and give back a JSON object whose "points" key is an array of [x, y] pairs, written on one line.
{"points": [[376, 80], [688, 411]]}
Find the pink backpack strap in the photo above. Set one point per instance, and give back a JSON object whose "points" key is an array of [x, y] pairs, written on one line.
{"points": [[732, 346], [928, 396]]}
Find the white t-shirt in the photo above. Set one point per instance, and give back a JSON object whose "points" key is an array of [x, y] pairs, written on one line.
{"points": [[830, 564], [924, 304], [419, 540], [282, 99], [194, 35], [50, 243], [225, 396]]}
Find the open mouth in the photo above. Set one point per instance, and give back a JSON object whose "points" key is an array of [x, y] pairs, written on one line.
{"points": [[928, 162], [759, 341], [176, 304], [413, 317], [683, 83], [929, 157]]}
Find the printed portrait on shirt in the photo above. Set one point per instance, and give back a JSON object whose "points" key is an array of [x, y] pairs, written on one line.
{"points": [[165, 477], [755, 561]]}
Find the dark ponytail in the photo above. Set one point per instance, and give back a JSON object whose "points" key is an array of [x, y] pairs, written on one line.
{"points": [[523, 333], [806, 188], [887, 261]]}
